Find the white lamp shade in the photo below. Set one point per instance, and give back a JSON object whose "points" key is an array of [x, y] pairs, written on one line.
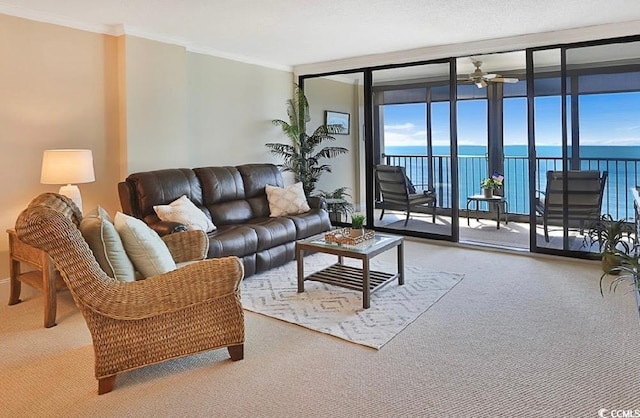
{"points": [[67, 166]]}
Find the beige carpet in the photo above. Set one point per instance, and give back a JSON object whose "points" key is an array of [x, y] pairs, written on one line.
{"points": [[338, 311], [518, 337]]}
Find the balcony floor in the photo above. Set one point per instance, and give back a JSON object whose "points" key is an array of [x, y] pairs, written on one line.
{"points": [[514, 235]]}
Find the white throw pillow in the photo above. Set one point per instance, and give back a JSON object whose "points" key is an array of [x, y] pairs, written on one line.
{"points": [[144, 246], [288, 201], [182, 210]]}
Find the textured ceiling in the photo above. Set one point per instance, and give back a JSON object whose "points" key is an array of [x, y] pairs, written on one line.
{"points": [[286, 33]]}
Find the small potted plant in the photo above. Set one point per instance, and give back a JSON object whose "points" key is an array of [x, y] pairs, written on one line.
{"points": [[613, 236], [357, 224], [488, 185]]}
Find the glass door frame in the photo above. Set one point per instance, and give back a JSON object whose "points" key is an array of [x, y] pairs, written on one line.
{"points": [[368, 132], [370, 150], [568, 160]]}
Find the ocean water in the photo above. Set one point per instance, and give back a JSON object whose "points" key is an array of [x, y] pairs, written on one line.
{"points": [[546, 151], [621, 162]]}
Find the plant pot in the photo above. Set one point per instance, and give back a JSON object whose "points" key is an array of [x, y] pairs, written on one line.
{"points": [[487, 192], [335, 217], [609, 262], [356, 232]]}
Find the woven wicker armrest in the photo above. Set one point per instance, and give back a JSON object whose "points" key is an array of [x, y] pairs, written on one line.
{"points": [[187, 246], [190, 285]]}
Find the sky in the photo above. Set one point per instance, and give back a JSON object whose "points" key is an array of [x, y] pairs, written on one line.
{"points": [[605, 119]]}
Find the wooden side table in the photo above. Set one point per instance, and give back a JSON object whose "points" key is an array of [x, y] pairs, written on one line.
{"points": [[44, 278]]}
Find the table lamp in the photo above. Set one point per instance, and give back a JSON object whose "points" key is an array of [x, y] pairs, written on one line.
{"points": [[67, 166]]}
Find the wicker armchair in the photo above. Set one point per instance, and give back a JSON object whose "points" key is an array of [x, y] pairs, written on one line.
{"points": [[134, 324]]}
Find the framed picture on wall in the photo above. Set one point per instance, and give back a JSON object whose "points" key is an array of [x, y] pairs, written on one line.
{"points": [[337, 118]]}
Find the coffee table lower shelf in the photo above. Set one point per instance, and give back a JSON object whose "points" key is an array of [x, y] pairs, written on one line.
{"points": [[351, 277]]}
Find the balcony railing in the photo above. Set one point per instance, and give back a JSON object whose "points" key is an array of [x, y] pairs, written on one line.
{"points": [[623, 174]]}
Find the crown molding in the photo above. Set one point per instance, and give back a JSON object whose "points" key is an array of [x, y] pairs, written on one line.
{"points": [[240, 58], [505, 44], [420, 54], [55, 19], [190, 47], [120, 29]]}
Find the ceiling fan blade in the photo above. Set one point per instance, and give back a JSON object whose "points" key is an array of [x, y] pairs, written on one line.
{"points": [[490, 76], [505, 80], [480, 84]]}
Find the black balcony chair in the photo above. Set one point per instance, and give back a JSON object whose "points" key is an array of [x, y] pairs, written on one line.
{"points": [[584, 199], [396, 193]]}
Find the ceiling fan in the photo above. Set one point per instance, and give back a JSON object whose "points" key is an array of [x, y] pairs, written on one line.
{"points": [[481, 79]]}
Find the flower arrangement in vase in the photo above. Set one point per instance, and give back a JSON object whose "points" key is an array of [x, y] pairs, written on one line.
{"points": [[490, 184]]}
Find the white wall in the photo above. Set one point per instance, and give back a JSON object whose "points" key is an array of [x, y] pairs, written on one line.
{"points": [[156, 105], [58, 89], [324, 94], [137, 104], [230, 108]]}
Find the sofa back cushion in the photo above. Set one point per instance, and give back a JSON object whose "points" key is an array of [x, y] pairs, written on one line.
{"points": [[255, 178], [223, 195], [161, 187]]}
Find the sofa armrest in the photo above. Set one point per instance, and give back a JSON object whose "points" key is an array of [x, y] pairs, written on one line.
{"points": [[317, 202], [187, 246], [167, 227]]}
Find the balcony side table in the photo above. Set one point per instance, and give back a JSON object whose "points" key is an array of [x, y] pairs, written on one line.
{"points": [[44, 277], [497, 201]]}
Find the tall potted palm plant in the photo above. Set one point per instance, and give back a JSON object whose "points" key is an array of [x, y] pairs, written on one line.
{"points": [[302, 156]]}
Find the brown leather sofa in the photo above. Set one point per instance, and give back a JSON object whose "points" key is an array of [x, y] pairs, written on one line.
{"points": [[234, 199]]}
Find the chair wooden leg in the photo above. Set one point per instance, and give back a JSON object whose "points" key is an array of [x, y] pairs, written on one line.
{"points": [[236, 352], [381, 214], [407, 218], [105, 384], [434, 213]]}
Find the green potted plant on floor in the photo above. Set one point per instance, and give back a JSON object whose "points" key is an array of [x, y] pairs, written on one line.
{"points": [[628, 269], [337, 202], [488, 185], [302, 156], [613, 237], [357, 224]]}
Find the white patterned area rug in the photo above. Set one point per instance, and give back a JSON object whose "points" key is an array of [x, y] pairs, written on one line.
{"points": [[338, 311]]}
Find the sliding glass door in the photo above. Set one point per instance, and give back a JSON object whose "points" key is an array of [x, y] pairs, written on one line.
{"points": [[447, 124], [412, 120], [492, 143], [585, 138]]}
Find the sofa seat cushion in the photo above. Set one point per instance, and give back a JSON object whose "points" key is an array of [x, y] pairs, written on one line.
{"points": [[273, 231], [314, 222], [238, 240]]}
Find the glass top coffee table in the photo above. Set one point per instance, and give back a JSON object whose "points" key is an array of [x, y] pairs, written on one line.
{"points": [[363, 279]]}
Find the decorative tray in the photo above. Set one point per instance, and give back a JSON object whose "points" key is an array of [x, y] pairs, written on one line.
{"points": [[343, 236]]}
